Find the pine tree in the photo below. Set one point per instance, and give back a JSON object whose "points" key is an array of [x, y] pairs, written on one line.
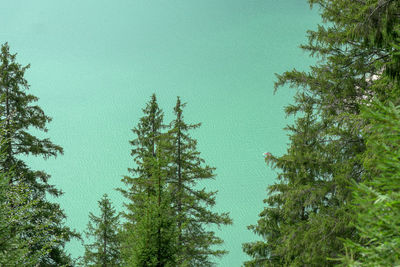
{"points": [[308, 212], [144, 148], [16, 207], [376, 199], [376, 23], [192, 205], [19, 113], [103, 230], [154, 234], [148, 233]]}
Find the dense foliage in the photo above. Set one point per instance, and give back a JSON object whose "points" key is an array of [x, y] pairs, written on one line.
{"points": [[336, 200], [168, 216], [16, 207], [376, 200], [145, 242], [20, 114], [311, 208]]}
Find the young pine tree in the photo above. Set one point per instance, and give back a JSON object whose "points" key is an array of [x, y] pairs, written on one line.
{"points": [[19, 114], [196, 243], [103, 230]]}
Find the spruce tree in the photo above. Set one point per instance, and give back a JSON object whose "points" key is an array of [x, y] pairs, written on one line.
{"points": [[16, 207], [376, 199], [103, 230], [374, 204], [192, 205], [376, 23], [144, 148], [308, 213], [148, 234], [20, 114], [154, 233]]}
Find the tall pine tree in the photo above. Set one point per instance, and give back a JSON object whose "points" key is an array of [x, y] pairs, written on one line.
{"points": [[308, 212], [375, 203], [144, 148], [376, 200], [16, 207], [148, 233], [20, 114], [154, 233], [196, 242]]}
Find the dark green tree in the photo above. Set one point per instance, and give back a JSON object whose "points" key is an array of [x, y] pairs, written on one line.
{"points": [[376, 202], [144, 148], [168, 215], [148, 234], [196, 241], [16, 207], [377, 24], [308, 212], [154, 233], [103, 230], [20, 114]]}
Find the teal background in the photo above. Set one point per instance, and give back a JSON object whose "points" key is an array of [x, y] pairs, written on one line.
{"points": [[96, 63]]}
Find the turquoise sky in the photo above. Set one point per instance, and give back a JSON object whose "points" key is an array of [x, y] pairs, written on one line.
{"points": [[96, 63]]}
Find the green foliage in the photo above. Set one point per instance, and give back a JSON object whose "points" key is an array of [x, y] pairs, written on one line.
{"points": [[149, 232], [377, 200], [154, 233], [167, 214], [144, 148], [103, 230], [308, 212], [15, 208], [20, 114], [154, 237], [375, 23], [196, 243]]}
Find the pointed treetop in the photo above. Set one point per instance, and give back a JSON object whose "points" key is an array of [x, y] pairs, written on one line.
{"points": [[178, 107]]}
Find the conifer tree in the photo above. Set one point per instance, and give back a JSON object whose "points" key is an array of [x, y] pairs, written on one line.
{"points": [[374, 206], [19, 113], [192, 205], [154, 233], [148, 234], [103, 230], [376, 199], [14, 248], [144, 148], [16, 207], [308, 208], [376, 23]]}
